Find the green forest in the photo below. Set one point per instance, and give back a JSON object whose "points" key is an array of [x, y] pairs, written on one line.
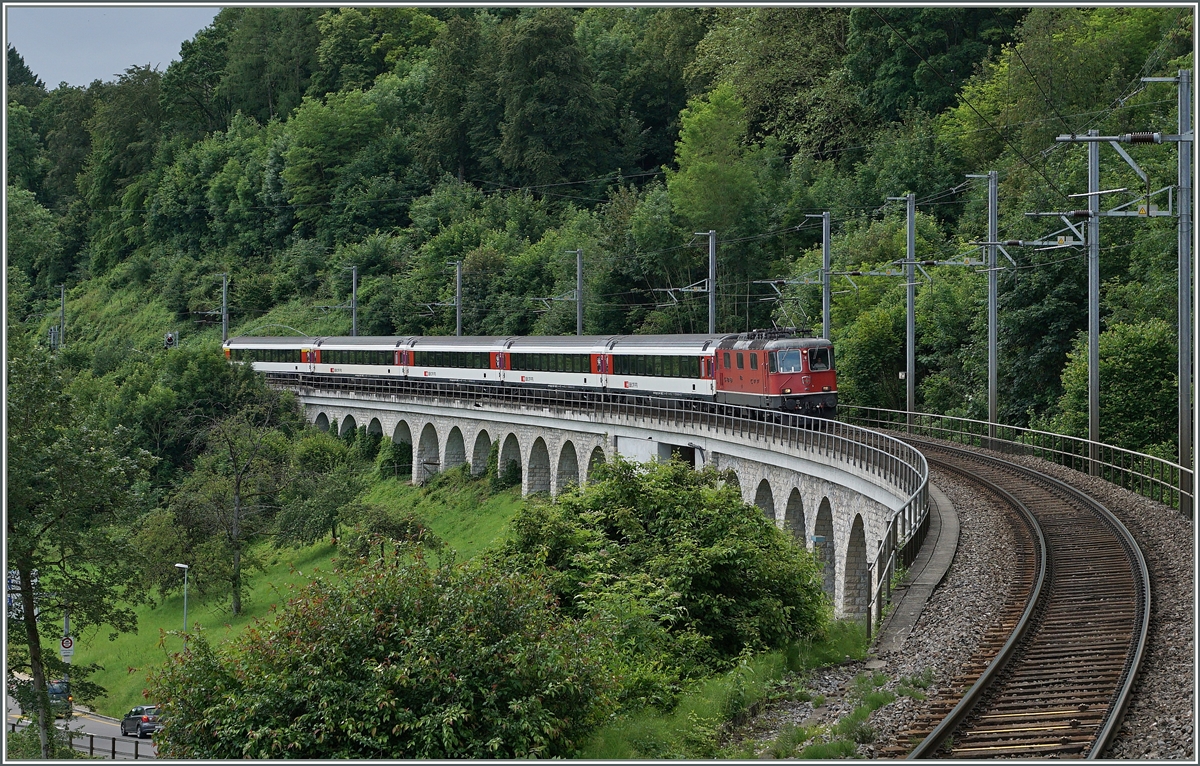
{"points": [[288, 144], [289, 148]]}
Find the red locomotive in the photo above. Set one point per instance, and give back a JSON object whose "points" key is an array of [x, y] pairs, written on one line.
{"points": [[772, 369]]}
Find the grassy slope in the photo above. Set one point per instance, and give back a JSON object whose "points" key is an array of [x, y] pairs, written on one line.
{"points": [[458, 510], [114, 310], [134, 317]]}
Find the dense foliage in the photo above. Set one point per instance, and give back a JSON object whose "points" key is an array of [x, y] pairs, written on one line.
{"points": [[287, 144], [398, 659], [613, 599], [73, 488], [687, 575]]}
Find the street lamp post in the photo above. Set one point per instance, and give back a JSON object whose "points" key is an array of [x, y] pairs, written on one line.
{"points": [[184, 567]]}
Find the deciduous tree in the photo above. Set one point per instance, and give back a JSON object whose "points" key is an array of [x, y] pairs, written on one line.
{"points": [[72, 493], [232, 496]]}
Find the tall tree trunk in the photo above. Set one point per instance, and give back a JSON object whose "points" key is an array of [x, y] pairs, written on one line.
{"points": [[45, 720], [237, 553], [237, 580]]}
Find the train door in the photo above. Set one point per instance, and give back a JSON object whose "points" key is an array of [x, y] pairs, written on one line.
{"points": [[602, 369], [499, 359], [310, 356]]}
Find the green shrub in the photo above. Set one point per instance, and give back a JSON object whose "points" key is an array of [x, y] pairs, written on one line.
{"points": [[828, 751], [406, 660], [509, 477], [394, 459], [856, 726], [374, 528], [25, 745], [699, 559], [790, 737], [921, 681]]}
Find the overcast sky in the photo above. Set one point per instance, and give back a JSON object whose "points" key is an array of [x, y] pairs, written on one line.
{"points": [[81, 44]]}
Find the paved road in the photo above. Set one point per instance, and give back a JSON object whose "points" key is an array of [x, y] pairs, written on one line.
{"points": [[105, 733]]}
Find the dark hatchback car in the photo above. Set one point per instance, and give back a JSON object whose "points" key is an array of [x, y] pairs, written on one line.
{"points": [[142, 721], [60, 697]]}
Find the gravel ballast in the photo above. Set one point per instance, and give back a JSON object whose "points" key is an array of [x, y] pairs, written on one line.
{"points": [[1158, 723]]}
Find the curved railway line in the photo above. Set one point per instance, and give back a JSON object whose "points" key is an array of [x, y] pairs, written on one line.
{"points": [[1052, 677]]}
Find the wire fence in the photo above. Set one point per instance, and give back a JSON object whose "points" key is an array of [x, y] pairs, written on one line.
{"points": [[1152, 477]]}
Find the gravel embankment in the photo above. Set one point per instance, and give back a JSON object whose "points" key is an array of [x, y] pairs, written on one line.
{"points": [[1158, 723]]}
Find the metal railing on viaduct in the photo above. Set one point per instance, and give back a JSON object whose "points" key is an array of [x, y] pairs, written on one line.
{"points": [[888, 460], [1153, 477]]}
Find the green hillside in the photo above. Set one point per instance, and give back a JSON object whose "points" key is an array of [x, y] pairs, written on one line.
{"points": [[462, 513]]}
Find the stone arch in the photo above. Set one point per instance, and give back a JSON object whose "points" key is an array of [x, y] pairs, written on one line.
{"points": [[568, 468], [402, 434], [856, 593], [595, 460], [428, 460], [765, 500], [538, 472], [479, 455], [348, 425], [321, 421], [375, 427], [793, 516], [729, 476], [456, 450], [510, 452], [824, 548], [402, 449]]}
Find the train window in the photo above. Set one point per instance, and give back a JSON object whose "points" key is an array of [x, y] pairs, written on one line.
{"points": [[754, 361], [820, 359], [727, 360], [674, 372], [785, 361], [741, 361]]}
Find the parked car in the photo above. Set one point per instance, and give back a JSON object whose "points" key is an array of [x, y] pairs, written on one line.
{"points": [[142, 720], [60, 698]]}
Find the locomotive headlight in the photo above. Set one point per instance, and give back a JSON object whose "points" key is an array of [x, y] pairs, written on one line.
{"points": [[787, 390], [824, 388]]}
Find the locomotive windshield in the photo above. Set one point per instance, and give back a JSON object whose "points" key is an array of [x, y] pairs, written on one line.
{"points": [[820, 359], [785, 361]]}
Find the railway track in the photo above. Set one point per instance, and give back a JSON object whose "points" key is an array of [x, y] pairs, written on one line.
{"points": [[1053, 676]]}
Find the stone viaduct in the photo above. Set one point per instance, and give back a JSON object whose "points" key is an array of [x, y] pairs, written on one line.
{"points": [[837, 498]]}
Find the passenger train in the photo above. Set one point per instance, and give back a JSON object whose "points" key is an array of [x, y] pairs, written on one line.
{"points": [[772, 369]]}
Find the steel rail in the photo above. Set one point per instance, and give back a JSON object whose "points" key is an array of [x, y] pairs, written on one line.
{"points": [[1140, 580], [958, 714]]}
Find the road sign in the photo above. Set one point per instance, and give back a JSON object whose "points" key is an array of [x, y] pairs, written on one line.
{"points": [[67, 648]]}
